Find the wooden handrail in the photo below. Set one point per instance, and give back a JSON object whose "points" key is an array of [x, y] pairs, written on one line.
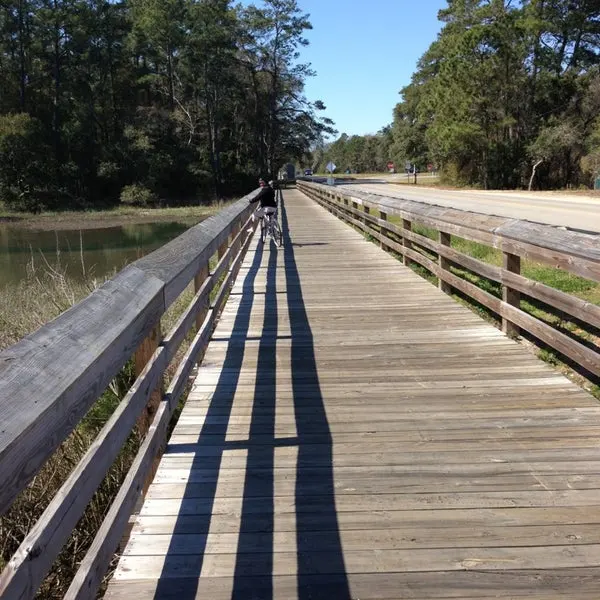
{"points": [[50, 379], [575, 252]]}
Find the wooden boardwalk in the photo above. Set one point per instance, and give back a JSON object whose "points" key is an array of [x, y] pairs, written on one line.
{"points": [[355, 433]]}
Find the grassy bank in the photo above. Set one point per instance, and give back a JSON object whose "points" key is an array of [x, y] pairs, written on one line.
{"points": [[108, 218]]}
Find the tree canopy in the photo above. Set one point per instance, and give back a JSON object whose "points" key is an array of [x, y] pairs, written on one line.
{"points": [[143, 100], [507, 96], [507, 86]]}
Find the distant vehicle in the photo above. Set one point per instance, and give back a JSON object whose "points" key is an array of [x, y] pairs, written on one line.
{"points": [[308, 172]]}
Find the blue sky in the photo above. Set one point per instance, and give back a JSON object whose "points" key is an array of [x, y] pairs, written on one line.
{"points": [[364, 52]]}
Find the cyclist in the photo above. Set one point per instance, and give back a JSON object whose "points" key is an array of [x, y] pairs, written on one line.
{"points": [[266, 197]]}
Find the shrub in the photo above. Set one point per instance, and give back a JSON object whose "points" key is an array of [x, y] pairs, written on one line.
{"points": [[137, 195]]}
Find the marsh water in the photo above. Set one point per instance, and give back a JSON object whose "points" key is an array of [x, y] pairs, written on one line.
{"points": [[79, 253]]}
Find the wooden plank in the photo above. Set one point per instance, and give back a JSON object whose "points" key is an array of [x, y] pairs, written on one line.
{"points": [[429, 520], [229, 507], [364, 561], [435, 585], [383, 540], [351, 424], [356, 485]]}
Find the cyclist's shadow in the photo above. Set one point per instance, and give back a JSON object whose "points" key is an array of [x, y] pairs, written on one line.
{"points": [[315, 536]]}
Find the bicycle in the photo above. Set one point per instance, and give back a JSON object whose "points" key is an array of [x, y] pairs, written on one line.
{"points": [[269, 226], [269, 223]]}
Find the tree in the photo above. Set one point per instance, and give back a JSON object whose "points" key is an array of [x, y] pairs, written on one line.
{"points": [[503, 82], [182, 98], [285, 121]]}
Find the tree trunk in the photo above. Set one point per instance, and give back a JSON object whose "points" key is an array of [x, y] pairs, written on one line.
{"points": [[535, 166], [56, 116], [22, 69], [170, 77]]}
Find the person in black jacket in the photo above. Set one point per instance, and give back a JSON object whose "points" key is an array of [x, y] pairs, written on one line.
{"points": [[266, 196], [267, 199]]}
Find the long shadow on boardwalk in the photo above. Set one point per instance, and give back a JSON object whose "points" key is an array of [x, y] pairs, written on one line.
{"points": [[321, 568], [320, 564]]}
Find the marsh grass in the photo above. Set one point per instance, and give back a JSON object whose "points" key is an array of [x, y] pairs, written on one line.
{"points": [[103, 218], [42, 296]]}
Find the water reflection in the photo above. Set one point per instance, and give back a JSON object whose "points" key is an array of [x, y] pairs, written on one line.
{"points": [[103, 250]]}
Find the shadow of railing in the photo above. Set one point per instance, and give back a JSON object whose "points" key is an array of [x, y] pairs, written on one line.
{"points": [[319, 569], [207, 459]]}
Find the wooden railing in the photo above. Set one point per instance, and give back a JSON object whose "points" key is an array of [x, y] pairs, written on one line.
{"points": [[50, 379], [571, 251]]}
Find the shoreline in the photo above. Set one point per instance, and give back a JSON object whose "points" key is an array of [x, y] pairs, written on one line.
{"points": [[71, 220]]}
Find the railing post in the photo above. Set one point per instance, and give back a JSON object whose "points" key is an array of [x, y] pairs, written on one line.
{"points": [[367, 210], [141, 358], [383, 231], [406, 224], [512, 263], [234, 231], [223, 248], [355, 207], [199, 279], [142, 355], [444, 263]]}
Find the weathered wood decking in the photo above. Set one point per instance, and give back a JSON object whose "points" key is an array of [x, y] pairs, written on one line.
{"points": [[355, 433]]}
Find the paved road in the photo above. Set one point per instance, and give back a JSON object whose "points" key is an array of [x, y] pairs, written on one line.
{"points": [[564, 210]]}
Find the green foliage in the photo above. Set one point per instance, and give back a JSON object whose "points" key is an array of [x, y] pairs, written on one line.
{"points": [[185, 98], [356, 154], [24, 164], [507, 96], [137, 195], [590, 162]]}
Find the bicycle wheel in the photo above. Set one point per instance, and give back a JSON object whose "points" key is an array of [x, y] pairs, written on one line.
{"points": [[277, 235], [263, 230]]}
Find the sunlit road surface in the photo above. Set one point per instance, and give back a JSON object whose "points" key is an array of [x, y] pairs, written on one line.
{"points": [[581, 213]]}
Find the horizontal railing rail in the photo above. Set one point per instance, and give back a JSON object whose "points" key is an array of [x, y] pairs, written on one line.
{"points": [[50, 379], [574, 252]]}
